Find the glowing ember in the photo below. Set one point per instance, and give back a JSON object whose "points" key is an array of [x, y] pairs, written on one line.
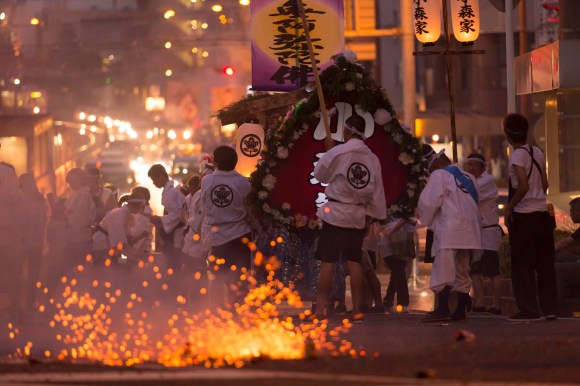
{"points": [[96, 316]]}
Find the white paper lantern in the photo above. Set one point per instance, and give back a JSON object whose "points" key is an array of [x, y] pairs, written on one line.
{"points": [[249, 141], [427, 21], [465, 20]]}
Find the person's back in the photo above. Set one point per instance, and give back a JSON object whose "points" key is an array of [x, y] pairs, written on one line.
{"points": [[223, 196], [450, 212], [355, 188]]}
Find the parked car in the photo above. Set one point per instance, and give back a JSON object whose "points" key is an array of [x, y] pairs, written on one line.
{"points": [[183, 167]]}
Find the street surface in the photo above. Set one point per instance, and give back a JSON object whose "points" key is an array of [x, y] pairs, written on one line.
{"points": [[400, 349]]}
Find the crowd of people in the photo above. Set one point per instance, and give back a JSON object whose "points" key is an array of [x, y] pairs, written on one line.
{"points": [[206, 228]]}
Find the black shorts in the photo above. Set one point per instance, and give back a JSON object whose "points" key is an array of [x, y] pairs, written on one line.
{"points": [[235, 252], [335, 243], [487, 265]]}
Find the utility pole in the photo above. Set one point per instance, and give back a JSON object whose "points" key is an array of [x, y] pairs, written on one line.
{"points": [[407, 48]]}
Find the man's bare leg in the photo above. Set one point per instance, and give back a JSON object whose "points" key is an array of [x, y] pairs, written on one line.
{"points": [[324, 284]]}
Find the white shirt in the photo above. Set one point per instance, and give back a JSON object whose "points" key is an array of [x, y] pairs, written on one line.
{"points": [[355, 185], [451, 213], [117, 224], [80, 212], [142, 224], [535, 198], [193, 245], [174, 211], [223, 196], [488, 197]]}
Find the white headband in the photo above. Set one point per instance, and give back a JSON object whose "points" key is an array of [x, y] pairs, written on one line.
{"points": [[355, 132], [476, 159], [435, 157]]}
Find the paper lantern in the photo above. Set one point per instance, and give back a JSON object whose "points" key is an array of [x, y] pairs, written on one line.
{"points": [[249, 140], [465, 20], [427, 19]]}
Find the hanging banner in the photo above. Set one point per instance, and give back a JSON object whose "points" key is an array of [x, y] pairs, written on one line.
{"points": [[280, 57]]}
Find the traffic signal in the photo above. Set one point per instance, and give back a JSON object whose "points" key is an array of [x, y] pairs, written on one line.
{"points": [[228, 70]]}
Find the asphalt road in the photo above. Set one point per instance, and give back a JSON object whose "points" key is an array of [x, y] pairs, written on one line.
{"points": [[400, 350]]}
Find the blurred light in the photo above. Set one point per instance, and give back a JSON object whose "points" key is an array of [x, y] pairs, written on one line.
{"points": [[228, 70], [82, 131], [168, 72], [194, 50], [186, 134], [205, 54], [111, 57], [435, 138], [34, 21], [111, 138], [92, 118], [168, 45], [501, 206], [35, 94], [2, 16], [82, 116], [149, 134], [171, 134], [204, 26], [169, 14], [228, 130], [216, 8], [16, 81], [244, 2], [155, 104], [93, 129], [36, 110]]}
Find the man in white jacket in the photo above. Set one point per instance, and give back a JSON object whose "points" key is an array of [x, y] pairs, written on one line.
{"points": [[80, 212], [355, 193], [449, 206], [223, 198], [170, 226], [486, 261]]}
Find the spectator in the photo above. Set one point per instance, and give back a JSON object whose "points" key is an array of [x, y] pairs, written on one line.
{"points": [[103, 198], [11, 236], [485, 262], [448, 206], [80, 213], [530, 226], [36, 212], [568, 264], [142, 224], [355, 191], [170, 226], [223, 195]]}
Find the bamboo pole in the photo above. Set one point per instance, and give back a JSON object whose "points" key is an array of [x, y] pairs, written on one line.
{"points": [[315, 70]]}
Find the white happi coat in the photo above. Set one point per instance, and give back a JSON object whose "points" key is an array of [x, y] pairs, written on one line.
{"points": [[223, 196], [174, 212], [451, 213], [355, 187], [197, 230], [80, 212], [488, 197], [117, 224]]}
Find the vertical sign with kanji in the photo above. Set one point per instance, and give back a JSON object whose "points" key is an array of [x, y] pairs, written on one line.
{"points": [[280, 58]]}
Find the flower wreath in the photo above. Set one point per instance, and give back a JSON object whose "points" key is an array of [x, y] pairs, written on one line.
{"points": [[347, 80]]}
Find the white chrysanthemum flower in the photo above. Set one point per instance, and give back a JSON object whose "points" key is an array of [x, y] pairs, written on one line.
{"points": [[304, 126], [266, 208], [410, 193], [350, 56], [282, 152], [359, 75], [296, 135], [286, 206], [262, 194], [269, 182], [398, 138], [349, 86], [406, 159], [382, 116]]}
